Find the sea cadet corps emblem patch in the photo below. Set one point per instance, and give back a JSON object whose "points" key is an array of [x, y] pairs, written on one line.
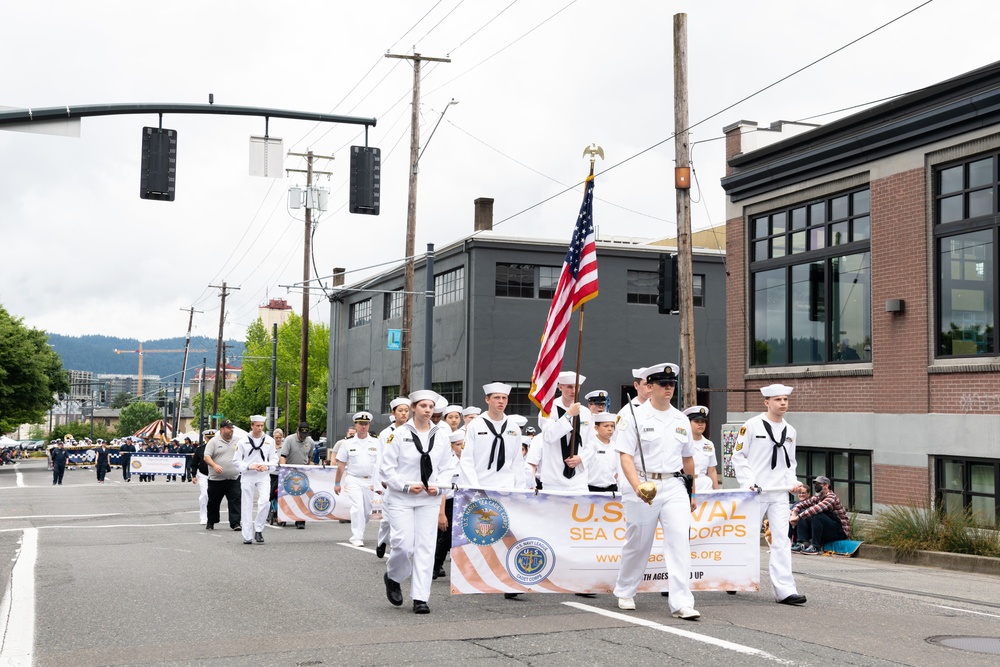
{"points": [[530, 561], [322, 503], [136, 463], [296, 483], [485, 521]]}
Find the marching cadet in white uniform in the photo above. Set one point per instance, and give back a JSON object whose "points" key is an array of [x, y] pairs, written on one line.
{"points": [[764, 458], [254, 457], [400, 407], [492, 455], [656, 449], [706, 476], [604, 467], [416, 465], [470, 413], [358, 456], [551, 453]]}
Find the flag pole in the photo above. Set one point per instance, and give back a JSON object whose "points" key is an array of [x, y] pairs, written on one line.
{"points": [[592, 151]]}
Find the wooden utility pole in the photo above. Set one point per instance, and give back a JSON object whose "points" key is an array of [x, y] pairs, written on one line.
{"points": [[220, 361], [311, 200], [682, 185], [411, 222]]}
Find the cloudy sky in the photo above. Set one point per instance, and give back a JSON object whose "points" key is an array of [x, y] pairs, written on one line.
{"points": [[536, 82]]}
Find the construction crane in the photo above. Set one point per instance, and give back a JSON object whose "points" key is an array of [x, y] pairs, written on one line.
{"points": [[141, 352]]}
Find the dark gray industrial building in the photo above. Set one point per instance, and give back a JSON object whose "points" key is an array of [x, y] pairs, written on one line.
{"points": [[492, 294]]}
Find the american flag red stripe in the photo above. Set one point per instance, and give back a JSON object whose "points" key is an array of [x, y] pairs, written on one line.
{"points": [[577, 285]]}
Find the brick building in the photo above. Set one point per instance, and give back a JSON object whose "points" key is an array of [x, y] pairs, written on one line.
{"points": [[861, 259]]}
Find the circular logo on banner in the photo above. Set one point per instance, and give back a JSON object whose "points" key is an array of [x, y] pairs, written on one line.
{"points": [[136, 463], [530, 561], [322, 503], [485, 521], [296, 483], [90, 455], [176, 465]]}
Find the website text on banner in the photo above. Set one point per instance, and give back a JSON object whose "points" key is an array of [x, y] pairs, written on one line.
{"points": [[518, 542], [306, 493]]}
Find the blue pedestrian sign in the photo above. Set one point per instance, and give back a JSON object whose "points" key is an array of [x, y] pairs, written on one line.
{"points": [[395, 339]]}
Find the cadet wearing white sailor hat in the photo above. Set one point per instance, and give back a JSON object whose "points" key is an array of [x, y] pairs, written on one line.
{"points": [[764, 458], [416, 466], [492, 455], [559, 463]]}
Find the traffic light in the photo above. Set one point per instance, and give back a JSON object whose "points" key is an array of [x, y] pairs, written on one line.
{"points": [[366, 180], [158, 169], [666, 284]]}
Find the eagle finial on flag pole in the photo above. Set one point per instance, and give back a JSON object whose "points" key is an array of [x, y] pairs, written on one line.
{"points": [[593, 150]]}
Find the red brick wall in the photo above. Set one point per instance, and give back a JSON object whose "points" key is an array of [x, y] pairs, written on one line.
{"points": [[824, 394], [737, 319], [901, 485], [900, 347], [966, 393]]}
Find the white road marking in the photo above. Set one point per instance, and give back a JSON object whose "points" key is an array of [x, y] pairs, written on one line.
{"points": [[17, 610], [721, 643], [20, 477], [351, 546], [966, 611], [58, 516]]}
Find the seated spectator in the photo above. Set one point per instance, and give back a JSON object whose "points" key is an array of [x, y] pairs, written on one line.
{"points": [[819, 519], [792, 535]]}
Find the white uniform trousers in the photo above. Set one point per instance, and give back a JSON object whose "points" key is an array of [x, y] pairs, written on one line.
{"points": [[249, 482], [360, 492], [202, 499], [671, 509], [383, 525], [702, 483], [412, 538], [779, 566]]}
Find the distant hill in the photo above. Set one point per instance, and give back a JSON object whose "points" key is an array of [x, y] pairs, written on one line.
{"points": [[97, 354]]}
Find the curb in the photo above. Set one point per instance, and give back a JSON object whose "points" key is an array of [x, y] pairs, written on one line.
{"points": [[939, 559]]}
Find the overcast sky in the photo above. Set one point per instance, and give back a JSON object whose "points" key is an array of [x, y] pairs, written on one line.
{"points": [[536, 82]]}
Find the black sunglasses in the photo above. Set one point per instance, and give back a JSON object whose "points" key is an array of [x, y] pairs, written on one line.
{"points": [[665, 383]]}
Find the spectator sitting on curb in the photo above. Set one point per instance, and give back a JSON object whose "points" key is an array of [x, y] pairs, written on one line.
{"points": [[819, 519]]}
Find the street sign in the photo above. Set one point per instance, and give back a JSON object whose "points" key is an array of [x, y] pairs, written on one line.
{"points": [[395, 341], [217, 416]]}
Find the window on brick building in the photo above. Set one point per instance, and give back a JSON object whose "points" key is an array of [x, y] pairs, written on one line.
{"points": [[526, 281], [969, 485], [966, 223], [389, 394], [849, 470], [810, 278], [518, 402], [393, 305]]}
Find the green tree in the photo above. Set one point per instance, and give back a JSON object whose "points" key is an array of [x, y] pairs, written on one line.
{"points": [[31, 373], [121, 400], [135, 416], [252, 392]]}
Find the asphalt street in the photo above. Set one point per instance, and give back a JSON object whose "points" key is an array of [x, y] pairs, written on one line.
{"points": [[122, 574]]}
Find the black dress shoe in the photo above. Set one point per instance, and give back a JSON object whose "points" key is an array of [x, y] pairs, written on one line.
{"points": [[209, 526], [438, 572], [380, 550], [236, 527], [510, 596], [259, 537], [665, 594], [247, 541], [301, 525], [795, 598], [585, 595], [420, 607], [392, 591], [730, 592]]}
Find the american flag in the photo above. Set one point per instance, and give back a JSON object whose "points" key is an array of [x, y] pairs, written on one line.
{"points": [[577, 285]]}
